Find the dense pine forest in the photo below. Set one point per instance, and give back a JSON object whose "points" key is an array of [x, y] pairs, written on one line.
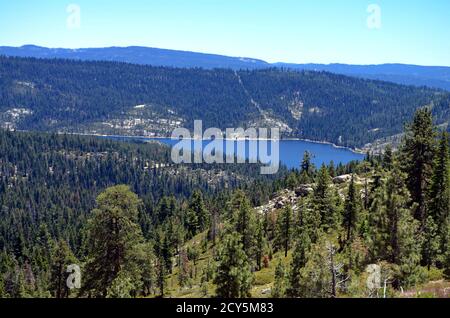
{"points": [[48, 187], [125, 99], [139, 227]]}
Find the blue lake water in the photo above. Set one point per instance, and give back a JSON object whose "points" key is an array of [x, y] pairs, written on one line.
{"points": [[291, 151]]}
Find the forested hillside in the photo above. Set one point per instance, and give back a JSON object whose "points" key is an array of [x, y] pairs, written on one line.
{"points": [[139, 228], [117, 98], [48, 186], [382, 230], [430, 76]]}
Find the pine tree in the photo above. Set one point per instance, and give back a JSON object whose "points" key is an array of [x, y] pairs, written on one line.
{"points": [[184, 269], [409, 249], [113, 237], [192, 222], [378, 237], [261, 242], [147, 263], [440, 191], [197, 216], [284, 230], [292, 181], [244, 223], [279, 288], [308, 220], [234, 277], [351, 212], [9, 269], [204, 283], [162, 276], [215, 221], [299, 259], [324, 202], [3, 293], [121, 287], [163, 247], [396, 204], [418, 150], [387, 157], [331, 169], [166, 209], [167, 252], [193, 253], [397, 233], [62, 257], [446, 254], [306, 169], [431, 243]]}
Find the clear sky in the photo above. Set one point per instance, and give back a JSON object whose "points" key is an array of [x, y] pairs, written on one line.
{"points": [[300, 31]]}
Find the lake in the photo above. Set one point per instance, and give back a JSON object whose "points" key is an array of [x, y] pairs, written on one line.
{"points": [[291, 151]]}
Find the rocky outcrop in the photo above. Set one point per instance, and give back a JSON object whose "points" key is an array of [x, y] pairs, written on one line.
{"points": [[304, 190], [285, 198], [342, 179]]}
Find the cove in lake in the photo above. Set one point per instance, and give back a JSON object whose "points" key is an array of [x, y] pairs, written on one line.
{"points": [[291, 151]]}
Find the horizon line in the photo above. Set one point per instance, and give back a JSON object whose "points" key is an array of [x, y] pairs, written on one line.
{"points": [[221, 55]]}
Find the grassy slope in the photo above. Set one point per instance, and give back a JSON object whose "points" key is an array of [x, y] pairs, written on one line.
{"points": [[264, 279]]}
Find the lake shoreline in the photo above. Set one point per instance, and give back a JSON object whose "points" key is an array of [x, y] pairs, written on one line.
{"points": [[354, 150]]}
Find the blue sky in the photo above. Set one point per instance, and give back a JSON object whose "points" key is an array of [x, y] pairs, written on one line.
{"points": [[300, 31]]}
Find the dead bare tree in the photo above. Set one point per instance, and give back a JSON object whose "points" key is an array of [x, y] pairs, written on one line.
{"points": [[335, 270]]}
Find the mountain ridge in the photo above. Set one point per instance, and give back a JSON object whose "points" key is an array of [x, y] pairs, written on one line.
{"points": [[406, 74], [136, 55], [127, 99]]}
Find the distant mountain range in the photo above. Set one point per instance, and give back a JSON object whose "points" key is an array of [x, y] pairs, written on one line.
{"points": [[138, 55], [432, 76]]}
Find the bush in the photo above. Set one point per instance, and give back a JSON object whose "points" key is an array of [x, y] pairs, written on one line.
{"points": [[435, 274]]}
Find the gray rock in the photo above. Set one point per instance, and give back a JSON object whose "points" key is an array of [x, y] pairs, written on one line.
{"points": [[303, 190], [342, 179]]}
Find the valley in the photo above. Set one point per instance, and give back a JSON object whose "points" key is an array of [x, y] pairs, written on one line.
{"points": [[198, 230]]}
